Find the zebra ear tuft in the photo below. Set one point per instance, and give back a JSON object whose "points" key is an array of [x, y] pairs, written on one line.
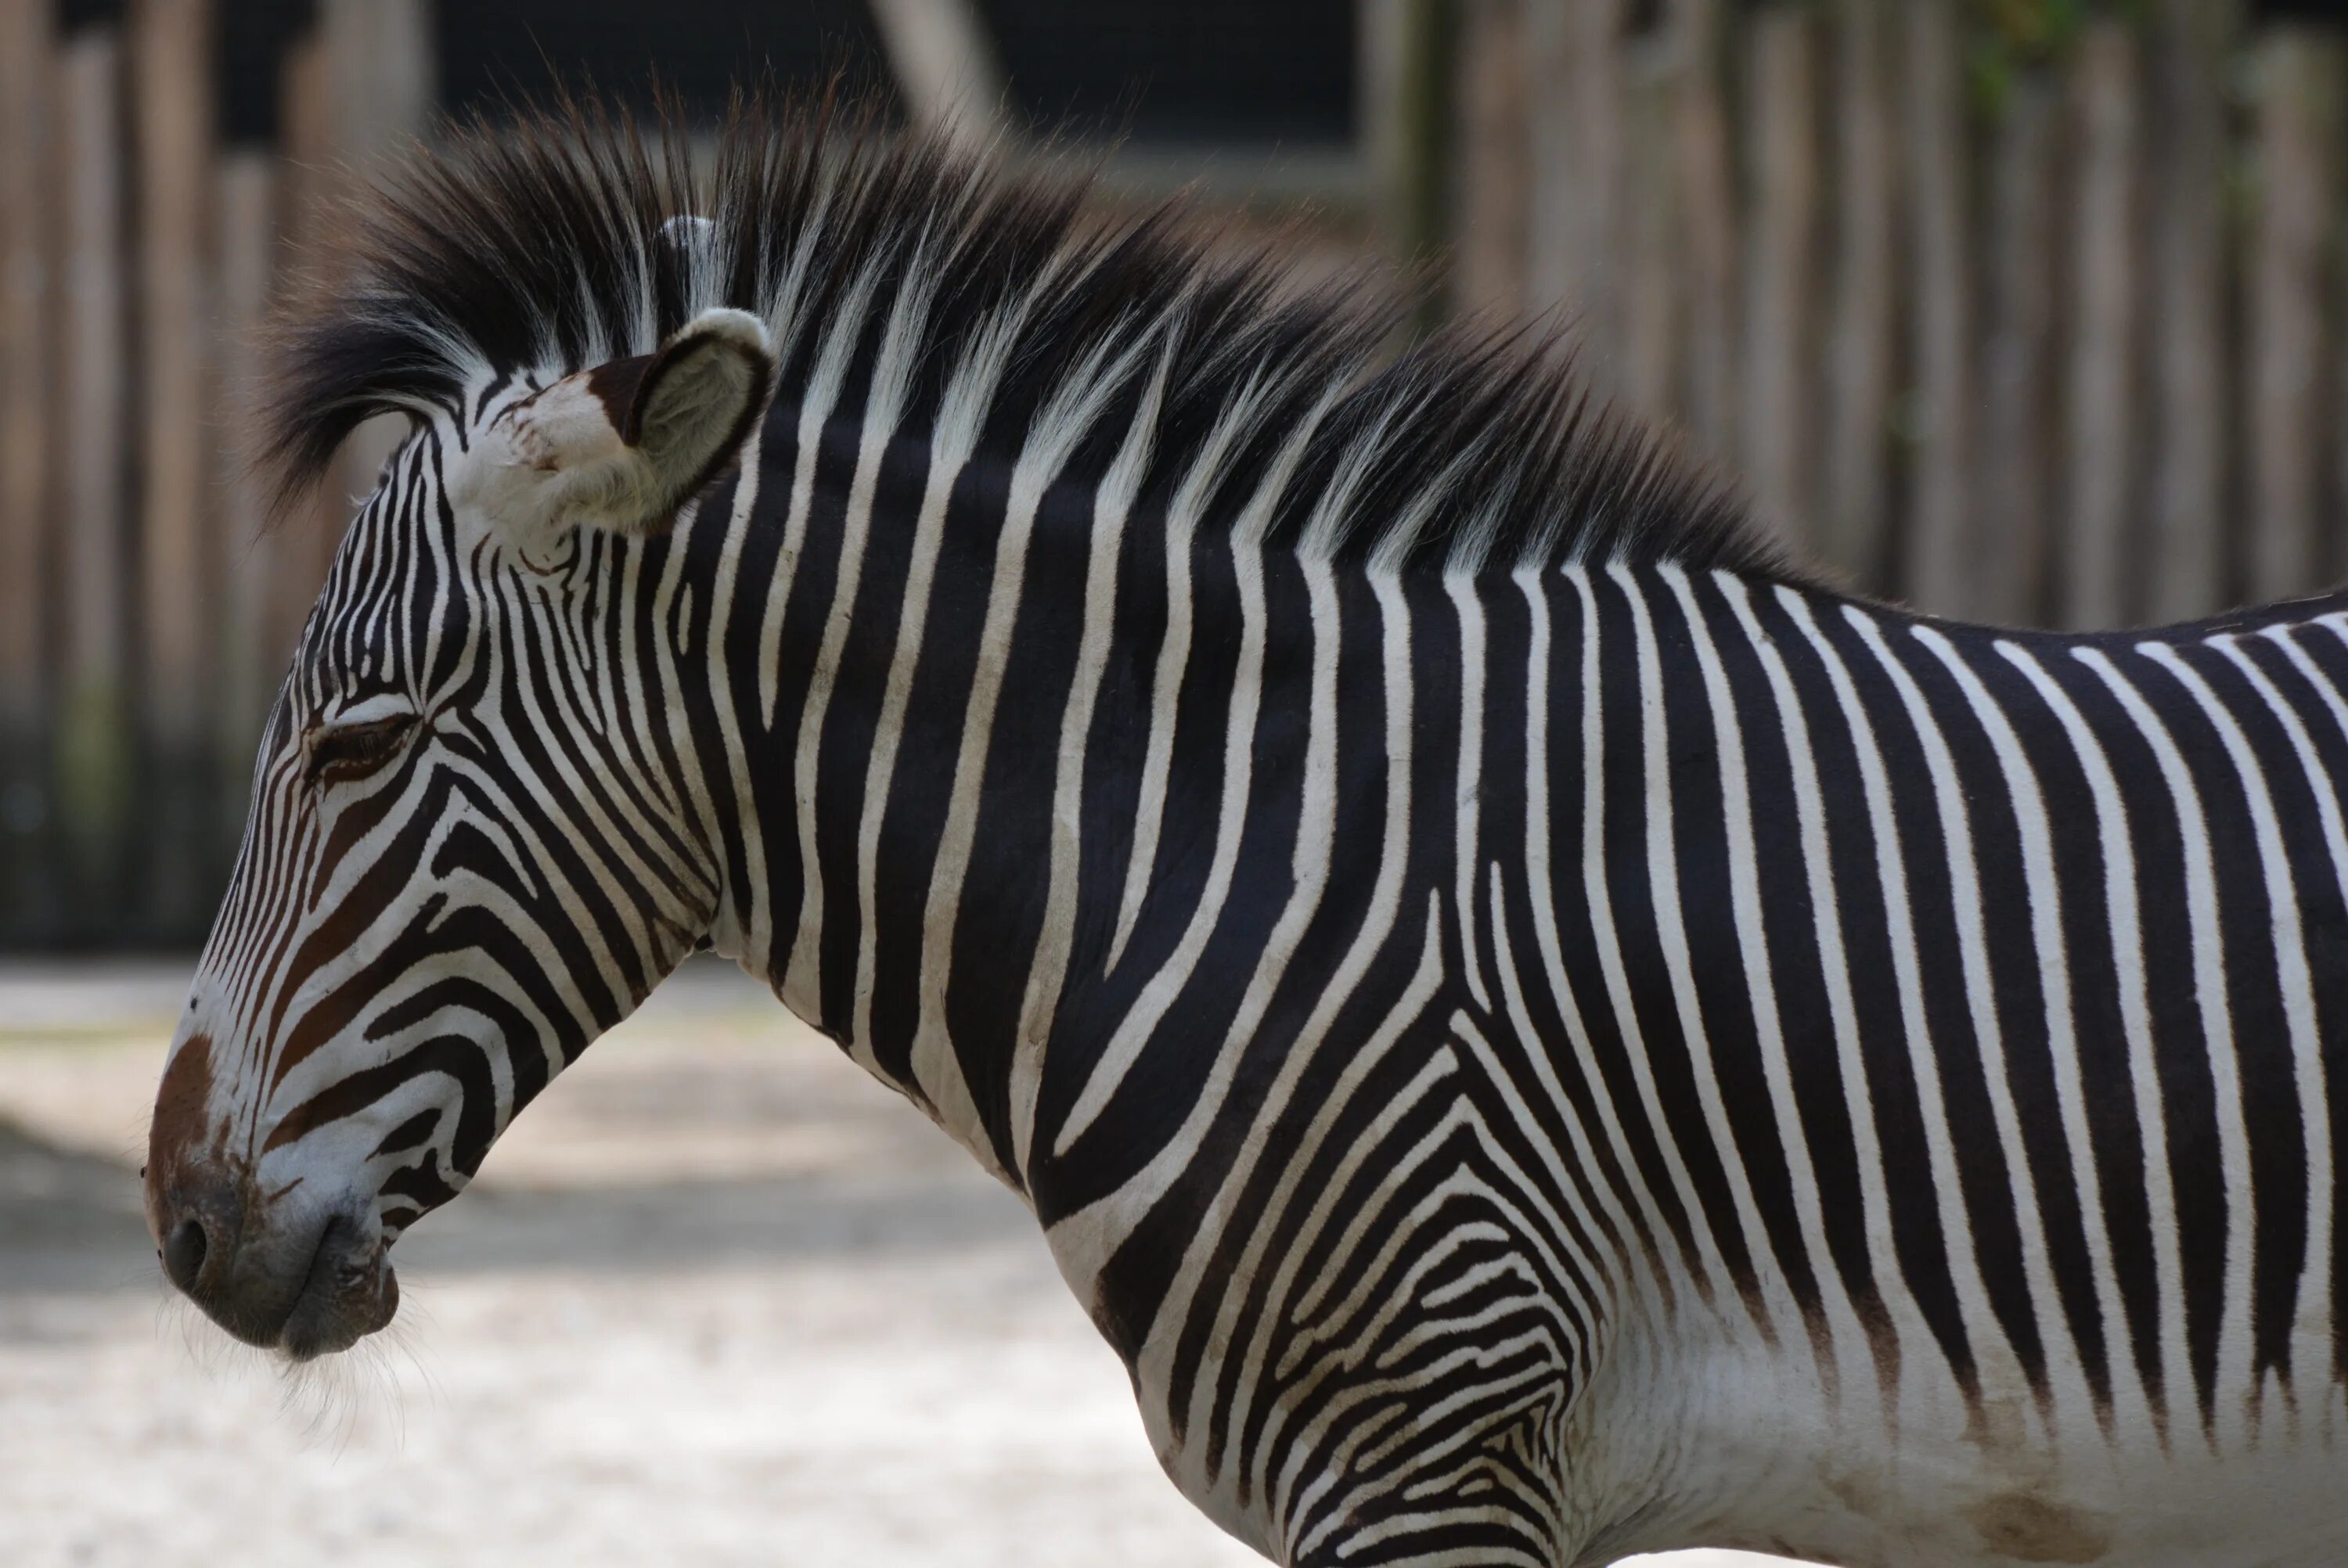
{"points": [[625, 445]]}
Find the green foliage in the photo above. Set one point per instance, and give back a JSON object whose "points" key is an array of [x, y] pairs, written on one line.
{"points": [[2028, 32], [2005, 38]]}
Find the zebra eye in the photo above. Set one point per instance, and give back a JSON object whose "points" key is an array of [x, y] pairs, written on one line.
{"points": [[345, 751]]}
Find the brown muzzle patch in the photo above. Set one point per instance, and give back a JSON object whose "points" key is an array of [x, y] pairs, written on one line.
{"points": [[175, 1138]]}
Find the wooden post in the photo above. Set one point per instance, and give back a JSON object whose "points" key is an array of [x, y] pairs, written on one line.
{"points": [[2017, 388], [1707, 225], [1489, 250], [2187, 147], [380, 66], [27, 228], [1650, 267], [1861, 316], [1407, 83], [2297, 122], [1779, 392], [354, 90], [93, 749], [249, 662], [172, 58], [1382, 37], [304, 543], [2099, 570], [1939, 574], [379, 71], [946, 69], [1576, 106], [171, 46]]}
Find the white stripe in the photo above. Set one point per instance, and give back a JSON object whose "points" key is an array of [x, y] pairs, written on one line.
{"points": [[884, 405], [1465, 806], [1973, 958], [2120, 914], [1047, 972], [1983, 1333], [1834, 959], [1678, 960], [1133, 1031], [1541, 879], [954, 435], [2044, 891], [1084, 1241], [1596, 811], [2292, 981], [1612, 1262], [1541, 1054], [2209, 996], [1276, 1316], [1058, 429], [1744, 892], [817, 406], [1182, 516]]}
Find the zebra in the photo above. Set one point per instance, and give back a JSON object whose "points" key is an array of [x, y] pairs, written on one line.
{"points": [[1535, 1028]]}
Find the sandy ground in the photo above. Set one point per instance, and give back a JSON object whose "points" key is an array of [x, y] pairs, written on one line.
{"points": [[717, 1299]]}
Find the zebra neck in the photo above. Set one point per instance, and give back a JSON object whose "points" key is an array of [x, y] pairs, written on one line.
{"points": [[892, 832], [1016, 768]]}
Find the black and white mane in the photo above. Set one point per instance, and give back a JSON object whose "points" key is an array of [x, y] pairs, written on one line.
{"points": [[569, 237]]}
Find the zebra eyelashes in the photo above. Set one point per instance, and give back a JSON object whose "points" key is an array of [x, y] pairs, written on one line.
{"points": [[341, 753]]}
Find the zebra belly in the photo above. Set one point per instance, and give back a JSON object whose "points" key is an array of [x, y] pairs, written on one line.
{"points": [[1917, 1477], [1692, 1433]]}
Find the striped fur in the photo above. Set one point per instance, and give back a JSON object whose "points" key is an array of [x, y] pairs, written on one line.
{"points": [[1535, 1032]]}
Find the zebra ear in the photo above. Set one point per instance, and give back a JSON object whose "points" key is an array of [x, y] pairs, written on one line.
{"points": [[625, 445]]}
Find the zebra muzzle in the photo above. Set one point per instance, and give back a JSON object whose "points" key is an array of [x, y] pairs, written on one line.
{"points": [[349, 1292], [306, 1284]]}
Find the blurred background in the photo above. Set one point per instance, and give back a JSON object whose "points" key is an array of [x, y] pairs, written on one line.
{"points": [[2030, 310]]}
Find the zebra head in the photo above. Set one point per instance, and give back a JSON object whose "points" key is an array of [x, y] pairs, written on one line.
{"points": [[462, 862]]}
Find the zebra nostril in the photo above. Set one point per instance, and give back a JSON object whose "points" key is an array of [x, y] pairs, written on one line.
{"points": [[183, 1254]]}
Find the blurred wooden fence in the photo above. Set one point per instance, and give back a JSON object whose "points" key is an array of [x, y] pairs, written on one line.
{"points": [[144, 622], [2021, 311]]}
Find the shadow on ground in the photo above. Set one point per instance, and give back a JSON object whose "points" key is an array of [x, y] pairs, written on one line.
{"points": [[71, 1222]]}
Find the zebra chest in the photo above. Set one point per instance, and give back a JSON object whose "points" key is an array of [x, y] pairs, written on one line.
{"points": [[1316, 1384], [1309, 1436]]}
